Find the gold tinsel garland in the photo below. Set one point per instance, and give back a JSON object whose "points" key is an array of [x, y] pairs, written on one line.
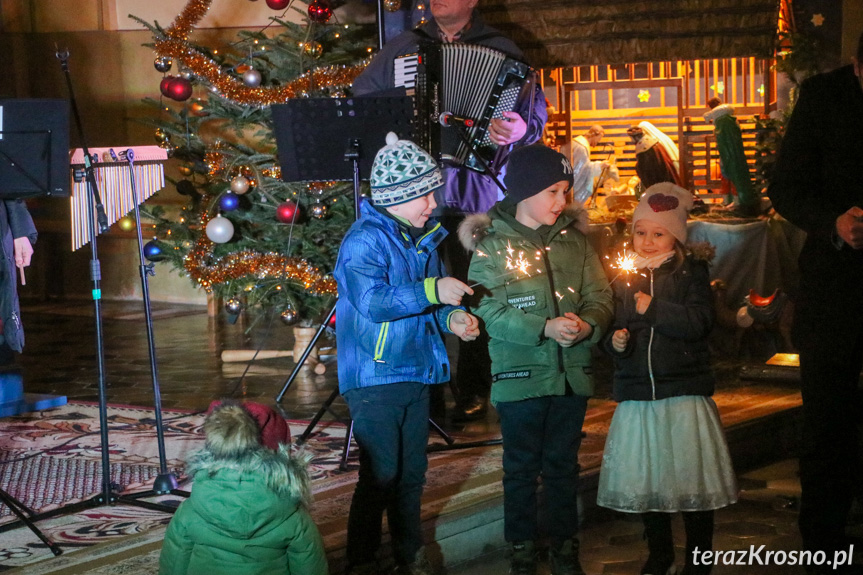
{"points": [[174, 44], [248, 263], [261, 266]]}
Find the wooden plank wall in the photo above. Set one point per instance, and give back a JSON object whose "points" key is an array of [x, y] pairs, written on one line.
{"points": [[746, 83]]}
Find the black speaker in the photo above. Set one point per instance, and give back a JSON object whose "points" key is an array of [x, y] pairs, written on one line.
{"points": [[34, 148]]}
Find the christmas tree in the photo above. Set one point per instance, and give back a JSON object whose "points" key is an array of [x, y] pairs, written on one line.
{"points": [[244, 234]]}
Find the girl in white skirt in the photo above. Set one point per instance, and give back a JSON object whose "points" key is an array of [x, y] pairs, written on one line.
{"points": [[666, 451]]}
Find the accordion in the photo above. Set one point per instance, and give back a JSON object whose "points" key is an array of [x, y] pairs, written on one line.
{"points": [[466, 81]]}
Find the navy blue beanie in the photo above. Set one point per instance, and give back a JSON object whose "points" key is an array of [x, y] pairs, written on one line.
{"points": [[532, 169]]}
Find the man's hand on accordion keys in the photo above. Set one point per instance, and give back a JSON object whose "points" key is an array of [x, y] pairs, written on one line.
{"points": [[507, 130]]}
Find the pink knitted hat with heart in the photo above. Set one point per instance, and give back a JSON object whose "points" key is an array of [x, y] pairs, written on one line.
{"points": [[665, 204]]}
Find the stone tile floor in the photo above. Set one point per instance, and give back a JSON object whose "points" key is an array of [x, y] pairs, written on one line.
{"points": [[765, 514]]}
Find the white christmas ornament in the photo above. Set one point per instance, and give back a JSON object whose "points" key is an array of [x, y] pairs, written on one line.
{"points": [[220, 230]]}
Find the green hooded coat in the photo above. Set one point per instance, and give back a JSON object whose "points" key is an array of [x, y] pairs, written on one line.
{"points": [[565, 275], [245, 516]]}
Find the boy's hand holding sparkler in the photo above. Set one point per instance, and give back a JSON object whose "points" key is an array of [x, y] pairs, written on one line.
{"points": [[464, 325], [584, 328], [450, 290], [564, 330], [619, 340]]}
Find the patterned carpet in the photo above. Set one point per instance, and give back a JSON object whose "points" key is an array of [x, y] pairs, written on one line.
{"points": [[53, 458]]}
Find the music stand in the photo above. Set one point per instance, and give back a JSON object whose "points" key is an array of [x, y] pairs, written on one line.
{"points": [[310, 135], [34, 148]]}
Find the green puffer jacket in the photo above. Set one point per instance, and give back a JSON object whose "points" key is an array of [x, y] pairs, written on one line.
{"points": [[245, 516], [565, 275]]}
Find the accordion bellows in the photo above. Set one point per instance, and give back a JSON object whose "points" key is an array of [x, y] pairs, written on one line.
{"points": [[468, 81]]}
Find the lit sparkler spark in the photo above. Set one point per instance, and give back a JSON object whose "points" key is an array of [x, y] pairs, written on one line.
{"points": [[520, 265], [625, 262], [514, 265]]}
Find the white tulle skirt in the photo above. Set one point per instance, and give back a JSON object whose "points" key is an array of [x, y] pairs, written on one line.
{"points": [[666, 455]]}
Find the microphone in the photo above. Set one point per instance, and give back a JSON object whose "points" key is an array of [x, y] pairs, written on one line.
{"points": [[449, 119]]}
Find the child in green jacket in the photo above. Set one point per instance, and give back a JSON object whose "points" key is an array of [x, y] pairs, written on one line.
{"points": [[545, 301], [248, 511]]}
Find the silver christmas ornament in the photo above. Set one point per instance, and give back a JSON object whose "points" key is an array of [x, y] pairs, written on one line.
{"points": [[290, 316], [252, 78], [233, 306], [319, 210], [163, 64]]}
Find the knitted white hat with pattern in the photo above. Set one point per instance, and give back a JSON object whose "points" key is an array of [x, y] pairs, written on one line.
{"points": [[665, 204], [401, 172]]}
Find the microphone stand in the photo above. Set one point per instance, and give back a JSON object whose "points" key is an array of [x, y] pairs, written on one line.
{"points": [[96, 277], [165, 482]]}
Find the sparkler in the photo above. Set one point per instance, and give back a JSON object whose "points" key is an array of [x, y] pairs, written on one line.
{"points": [[515, 264], [626, 264]]}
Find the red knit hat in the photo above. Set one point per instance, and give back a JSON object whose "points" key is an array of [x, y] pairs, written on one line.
{"points": [[274, 428]]}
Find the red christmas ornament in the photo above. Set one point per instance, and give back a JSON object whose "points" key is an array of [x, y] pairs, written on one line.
{"points": [[165, 86], [278, 4], [179, 89], [320, 11], [287, 212], [332, 323]]}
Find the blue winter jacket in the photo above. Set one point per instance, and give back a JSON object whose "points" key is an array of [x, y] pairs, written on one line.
{"points": [[390, 326]]}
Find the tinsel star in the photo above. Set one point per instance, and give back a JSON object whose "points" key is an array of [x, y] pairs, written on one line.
{"points": [[643, 96]]}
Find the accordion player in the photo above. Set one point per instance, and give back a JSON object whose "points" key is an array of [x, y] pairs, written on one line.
{"points": [[470, 82]]}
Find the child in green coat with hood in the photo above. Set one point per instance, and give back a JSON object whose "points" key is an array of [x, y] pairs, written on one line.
{"points": [[248, 511], [545, 301]]}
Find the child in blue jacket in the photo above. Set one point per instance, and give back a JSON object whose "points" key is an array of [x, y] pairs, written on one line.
{"points": [[394, 306]]}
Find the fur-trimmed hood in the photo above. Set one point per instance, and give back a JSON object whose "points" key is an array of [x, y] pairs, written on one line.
{"points": [[702, 251], [283, 472], [476, 226]]}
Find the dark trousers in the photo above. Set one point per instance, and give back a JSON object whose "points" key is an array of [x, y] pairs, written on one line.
{"points": [[391, 427], [541, 437], [830, 469], [473, 370]]}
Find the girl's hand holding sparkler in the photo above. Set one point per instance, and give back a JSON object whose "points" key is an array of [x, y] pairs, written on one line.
{"points": [[642, 302], [563, 330], [464, 325], [619, 340], [450, 290]]}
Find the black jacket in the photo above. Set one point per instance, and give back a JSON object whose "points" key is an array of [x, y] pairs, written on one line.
{"points": [[816, 179], [667, 354], [15, 222]]}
